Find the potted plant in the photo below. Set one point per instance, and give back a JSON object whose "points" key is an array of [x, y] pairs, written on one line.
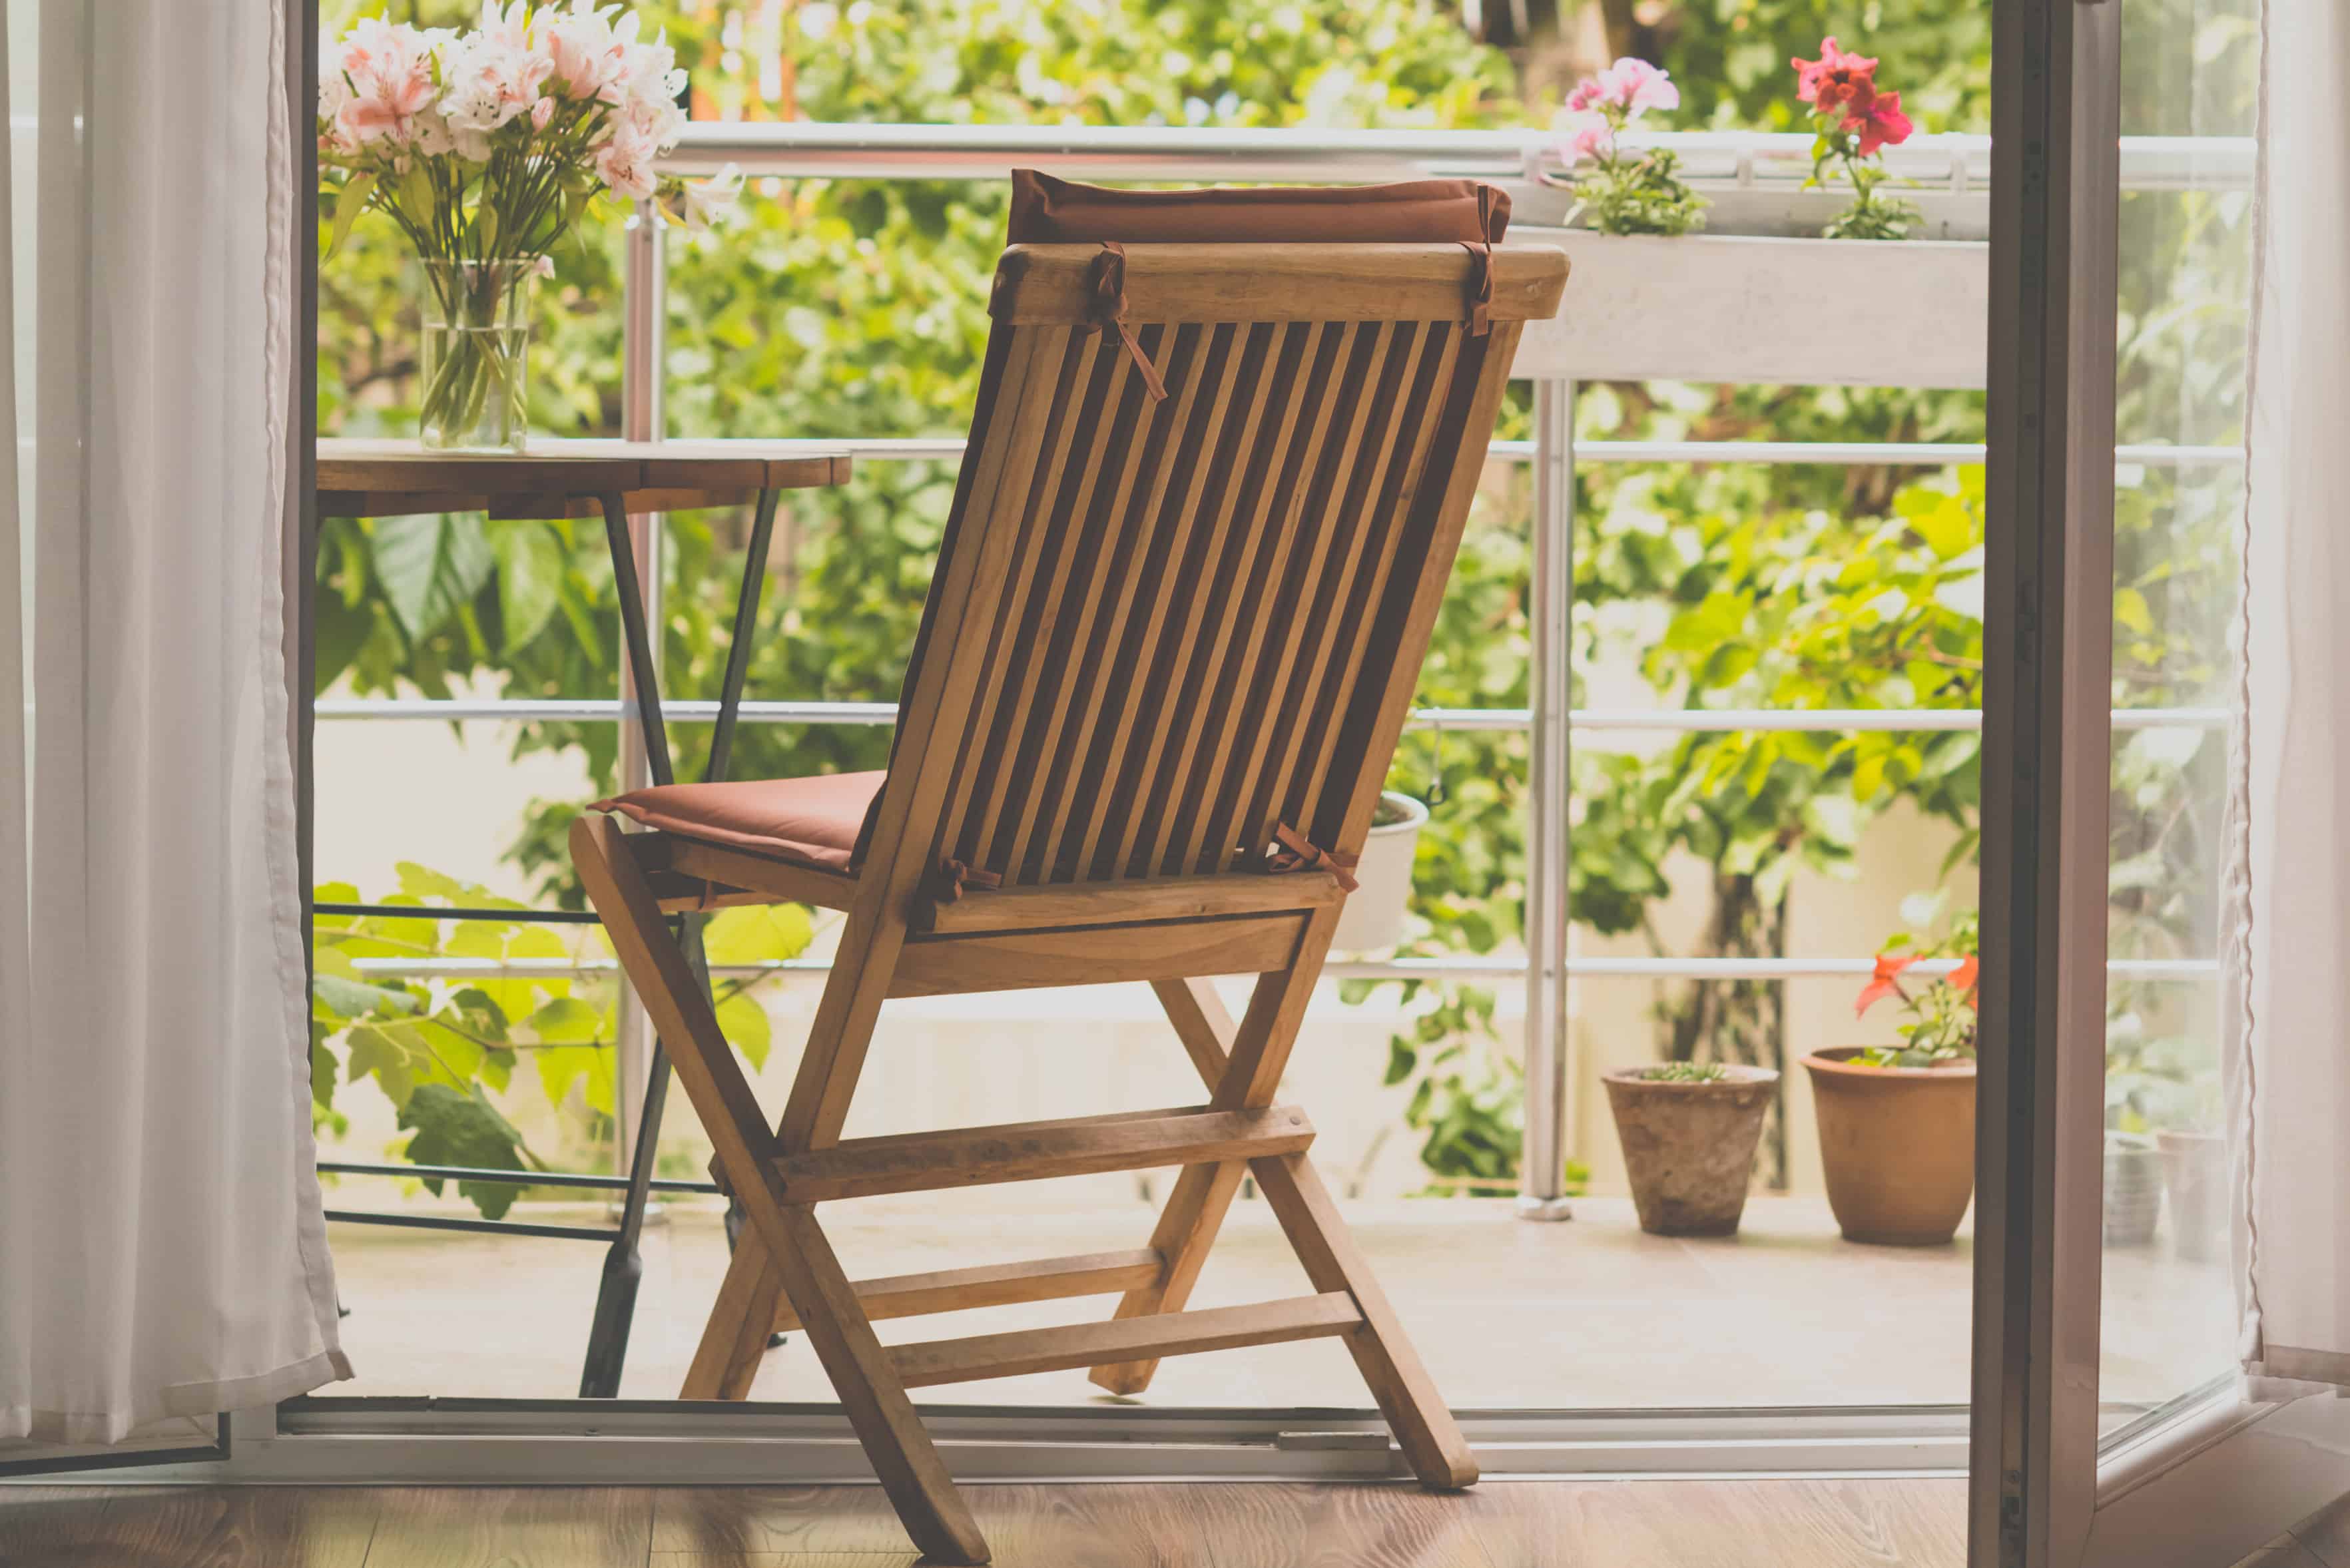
{"points": [[1689, 1130], [1373, 917], [1898, 1122], [2164, 1094]]}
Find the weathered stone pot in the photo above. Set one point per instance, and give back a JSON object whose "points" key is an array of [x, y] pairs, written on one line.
{"points": [[2133, 1196], [2195, 1171], [1896, 1144], [1689, 1148]]}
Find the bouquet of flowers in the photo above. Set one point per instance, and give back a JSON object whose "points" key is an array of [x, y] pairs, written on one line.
{"points": [[1624, 193], [487, 147], [1854, 122]]}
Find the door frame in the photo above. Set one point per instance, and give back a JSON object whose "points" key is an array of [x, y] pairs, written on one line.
{"points": [[2223, 1471]]}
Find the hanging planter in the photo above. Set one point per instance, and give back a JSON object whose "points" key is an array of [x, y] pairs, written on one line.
{"points": [[1373, 917]]}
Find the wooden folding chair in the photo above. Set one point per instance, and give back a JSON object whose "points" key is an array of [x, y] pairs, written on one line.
{"points": [[1165, 661]]}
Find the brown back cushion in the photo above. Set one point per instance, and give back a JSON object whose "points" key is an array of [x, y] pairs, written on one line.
{"points": [[1045, 211]]}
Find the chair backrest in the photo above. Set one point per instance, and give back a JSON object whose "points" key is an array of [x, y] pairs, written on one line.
{"points": [[1162, 627]]}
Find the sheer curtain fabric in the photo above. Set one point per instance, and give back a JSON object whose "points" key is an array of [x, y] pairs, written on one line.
{"points": [[162, 1253]]}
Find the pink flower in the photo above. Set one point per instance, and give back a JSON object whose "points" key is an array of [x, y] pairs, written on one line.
{"points": [[387, 81], [1588, 134], [1836, 80], [626, 165], [587, 52], [1635, 86], [1585, 96], [1880, 122], [541, 112]]}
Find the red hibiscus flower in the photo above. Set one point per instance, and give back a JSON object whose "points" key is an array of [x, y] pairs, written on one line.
{"points": [[1881, 986], [1836, 80], [1880, 122]]}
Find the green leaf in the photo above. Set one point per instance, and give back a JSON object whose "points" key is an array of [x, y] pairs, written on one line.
{"points": [[530, 567], [430, 568], [744, 1023], [349, 203], [760, 933], [560, 1066], [1401, 1060], [389, 1055], [333, 995], [567, 1021], [456, 1128]]}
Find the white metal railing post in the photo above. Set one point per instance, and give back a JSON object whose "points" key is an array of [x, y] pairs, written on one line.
{"points": [[643, 294], [1542, 1156]]}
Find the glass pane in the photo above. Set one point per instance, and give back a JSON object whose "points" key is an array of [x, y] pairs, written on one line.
{"points": [[2189, 71]]}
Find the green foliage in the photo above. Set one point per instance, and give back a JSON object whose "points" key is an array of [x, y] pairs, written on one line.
{"points": [[1686, 1073], [440, 1049], [1638, 194]]}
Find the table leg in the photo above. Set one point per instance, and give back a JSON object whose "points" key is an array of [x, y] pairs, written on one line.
{"points": [[616, 1298]]}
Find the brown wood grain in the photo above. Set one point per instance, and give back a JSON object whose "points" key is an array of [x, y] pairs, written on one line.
{"points": [[997, 1285], [1011, 960], [1023, 1351], [512, 1527], [1767, 1522], [1045, 284], [1050, 905]]}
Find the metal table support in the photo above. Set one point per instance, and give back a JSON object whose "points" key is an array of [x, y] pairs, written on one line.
{"points": [[616, 1295]]}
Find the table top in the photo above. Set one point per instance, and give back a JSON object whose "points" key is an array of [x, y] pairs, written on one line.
{"points": [[391, 477]]}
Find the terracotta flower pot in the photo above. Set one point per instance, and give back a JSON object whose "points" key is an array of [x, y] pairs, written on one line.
{"points": [[1689, 1148], [1898, 1147]]}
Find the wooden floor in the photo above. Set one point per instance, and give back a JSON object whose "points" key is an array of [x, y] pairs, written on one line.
{"points": [[1500, 1524]]}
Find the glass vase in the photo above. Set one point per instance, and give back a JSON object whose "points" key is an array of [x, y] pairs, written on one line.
{"points": [[472, 355]]}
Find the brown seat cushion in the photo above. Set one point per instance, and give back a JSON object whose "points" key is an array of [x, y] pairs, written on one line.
{"points": [[1045, 211], [813, 820]]}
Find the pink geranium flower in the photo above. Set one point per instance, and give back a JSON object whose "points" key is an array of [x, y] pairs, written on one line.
{"points": [[1635, 86], [1587, 133], [1836, 80], [1880, 122]]}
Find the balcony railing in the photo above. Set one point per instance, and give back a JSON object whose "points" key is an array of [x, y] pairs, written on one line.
{"points": [[1754, 181]]}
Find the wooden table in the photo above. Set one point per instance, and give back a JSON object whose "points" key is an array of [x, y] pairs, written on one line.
{"points": [[617, 479]]}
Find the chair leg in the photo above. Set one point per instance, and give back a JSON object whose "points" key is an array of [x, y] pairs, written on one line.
{"points": [[1424, 1427], [903, 1457], [1195, 1209], [741, 1321]]}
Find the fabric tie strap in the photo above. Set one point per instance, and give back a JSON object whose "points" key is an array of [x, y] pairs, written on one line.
{"points": [[1109, 313], [1481, 273], [1295, 852], [954, 876]]}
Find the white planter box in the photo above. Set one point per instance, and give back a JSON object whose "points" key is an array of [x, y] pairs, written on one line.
{"points": [[1764, 312], [1373, 917]]}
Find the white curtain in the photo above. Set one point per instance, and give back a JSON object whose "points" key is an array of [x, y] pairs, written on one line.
{"points": [[2288, 882], [162, 1253]]}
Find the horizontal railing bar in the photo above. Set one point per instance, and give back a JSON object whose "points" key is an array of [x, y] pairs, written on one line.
{"points": [[494, 1226], [1759, 721], [1463, 968], [1835, 453], [438, 913], [1708, 159], [507, 1177]]}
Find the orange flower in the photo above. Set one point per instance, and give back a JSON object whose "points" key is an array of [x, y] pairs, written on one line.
{"points": [[1888, 965], [1964, 977]]}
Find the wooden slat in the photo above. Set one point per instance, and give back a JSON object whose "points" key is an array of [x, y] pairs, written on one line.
{"points": [[1083, 1344], [1118, 795], [1073, 648], [1099, 955], [997, 1285], [376, 477], [1071, 411], [1361, 512], [1051, 284], [1128, 902], [1299, 614], [1063, 847], [991, 847], [1175, 719], [775, 880], [1190, 798], [1037, 1151], [1394, 507]]}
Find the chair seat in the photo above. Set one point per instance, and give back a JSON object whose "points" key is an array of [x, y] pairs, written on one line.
{"points": [[813, 820]]}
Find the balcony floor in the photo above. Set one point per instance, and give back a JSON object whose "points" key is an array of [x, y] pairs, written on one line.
{"points": [[1591, 1314]]}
